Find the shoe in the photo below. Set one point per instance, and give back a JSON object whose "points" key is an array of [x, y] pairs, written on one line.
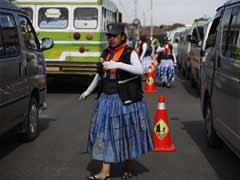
{"points": [[95, 178], [127, 175], [168, 85]]}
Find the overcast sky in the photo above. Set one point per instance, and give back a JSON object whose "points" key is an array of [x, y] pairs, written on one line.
{"points": [[167, 11]]}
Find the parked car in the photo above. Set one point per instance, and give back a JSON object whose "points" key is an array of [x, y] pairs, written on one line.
{"points": [[22, 72], [220, 78], [196, 39], [183, 51]]}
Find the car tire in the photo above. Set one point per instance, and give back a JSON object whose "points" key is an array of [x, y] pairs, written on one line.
{"points": [[183, 71], [212, 138], [31, 124], [192, 81], [188, 72]]}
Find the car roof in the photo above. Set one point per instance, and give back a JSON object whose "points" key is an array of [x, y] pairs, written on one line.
{"points": [[232, 1], [5, 4], [228, 3]]}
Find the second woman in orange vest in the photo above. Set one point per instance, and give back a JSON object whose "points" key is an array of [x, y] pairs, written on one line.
{"points": [[166, 70]]}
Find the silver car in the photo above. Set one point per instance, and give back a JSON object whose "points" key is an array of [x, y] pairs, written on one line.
{"points": [[22, 72], [220, 78]]}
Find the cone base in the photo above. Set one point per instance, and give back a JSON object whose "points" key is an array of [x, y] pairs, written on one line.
{"points": [[165, 149], [150, 91]]}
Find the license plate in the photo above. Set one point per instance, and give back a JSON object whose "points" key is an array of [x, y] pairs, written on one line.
{"points": [[53, 69]]}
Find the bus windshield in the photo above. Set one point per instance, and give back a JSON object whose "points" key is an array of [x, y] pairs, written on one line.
{"points": [[53, 18], [85, 18]]}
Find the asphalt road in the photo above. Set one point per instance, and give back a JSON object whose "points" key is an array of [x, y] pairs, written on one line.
{"points": [[59, 152]]}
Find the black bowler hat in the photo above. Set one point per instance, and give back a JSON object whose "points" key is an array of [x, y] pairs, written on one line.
{"points": [[115, 29]]}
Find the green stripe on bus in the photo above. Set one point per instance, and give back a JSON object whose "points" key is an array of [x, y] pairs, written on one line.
{"points": [[82, 59], [58, 49], [66, 36]]}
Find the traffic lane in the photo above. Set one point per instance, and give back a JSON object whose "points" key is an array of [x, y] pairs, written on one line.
{"points": [[59, 152], [48, 156], [193, 159]]}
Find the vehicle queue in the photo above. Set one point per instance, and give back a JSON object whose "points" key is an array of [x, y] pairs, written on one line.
{"points": [[207, 55]]}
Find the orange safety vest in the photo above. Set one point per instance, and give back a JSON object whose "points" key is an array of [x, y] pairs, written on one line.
{"points": [[114, 56]]}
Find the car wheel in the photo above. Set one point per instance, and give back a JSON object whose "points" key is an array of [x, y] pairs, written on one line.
{"points": [[31, 122], [212, 138], [192, 81], [183, 71], [179, 65], [188, 73]]}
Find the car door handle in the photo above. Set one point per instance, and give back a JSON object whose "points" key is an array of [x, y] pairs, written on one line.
{"points": [[20, 69], [218, 61]]}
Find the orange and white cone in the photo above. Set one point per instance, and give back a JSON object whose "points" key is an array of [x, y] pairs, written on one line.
{"points": [[153, 68], [161, 131], [150, 85]]}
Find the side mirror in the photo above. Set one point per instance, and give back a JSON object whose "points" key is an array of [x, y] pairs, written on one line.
{"points": [[47, 43], [199, 43], [189, 37], [202, 53], [192, 40], [211, 41]]}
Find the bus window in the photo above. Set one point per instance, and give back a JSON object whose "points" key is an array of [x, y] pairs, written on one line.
{"points": [[85, 18], [53, 18], [29, 11]]}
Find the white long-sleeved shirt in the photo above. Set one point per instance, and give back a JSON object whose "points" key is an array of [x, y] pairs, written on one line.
{"points": [[135, 68]]}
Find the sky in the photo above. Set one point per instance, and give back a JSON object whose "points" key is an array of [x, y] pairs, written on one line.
{"points": [[167, 11]]}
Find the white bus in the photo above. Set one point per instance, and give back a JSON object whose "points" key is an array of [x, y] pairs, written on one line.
{"points": [[77, 27]]}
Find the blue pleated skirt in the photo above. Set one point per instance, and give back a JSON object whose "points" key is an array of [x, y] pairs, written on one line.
{"points": [[165, 71], [119, 132]]}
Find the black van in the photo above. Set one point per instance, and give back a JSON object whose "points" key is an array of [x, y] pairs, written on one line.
{"points": [[220, 78], [22, 72]]}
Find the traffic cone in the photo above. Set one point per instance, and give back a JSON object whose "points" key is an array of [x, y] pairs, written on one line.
{"points": [[153, 68], [150, 85], [161, 132]]}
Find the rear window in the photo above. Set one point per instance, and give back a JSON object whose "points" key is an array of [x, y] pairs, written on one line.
{"points": [[9, 43], [201, 32], [53, 18], [85, 18], [29, 37], [29, 11]]}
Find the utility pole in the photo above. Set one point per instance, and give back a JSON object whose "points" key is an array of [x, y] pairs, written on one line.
{"points": [[135, 9], [136, 21], [144, 18], [151, 32]]}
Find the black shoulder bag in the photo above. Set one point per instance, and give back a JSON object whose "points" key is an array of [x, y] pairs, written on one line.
{"points": [[130, 90]]}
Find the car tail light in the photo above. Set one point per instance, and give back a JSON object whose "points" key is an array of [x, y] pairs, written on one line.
{"points": [[89, 36], [82, 49], [76, 35]]}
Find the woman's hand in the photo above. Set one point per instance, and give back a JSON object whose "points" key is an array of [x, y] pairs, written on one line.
{"points": [[111, 65], [90, 88], [84, 95]]}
